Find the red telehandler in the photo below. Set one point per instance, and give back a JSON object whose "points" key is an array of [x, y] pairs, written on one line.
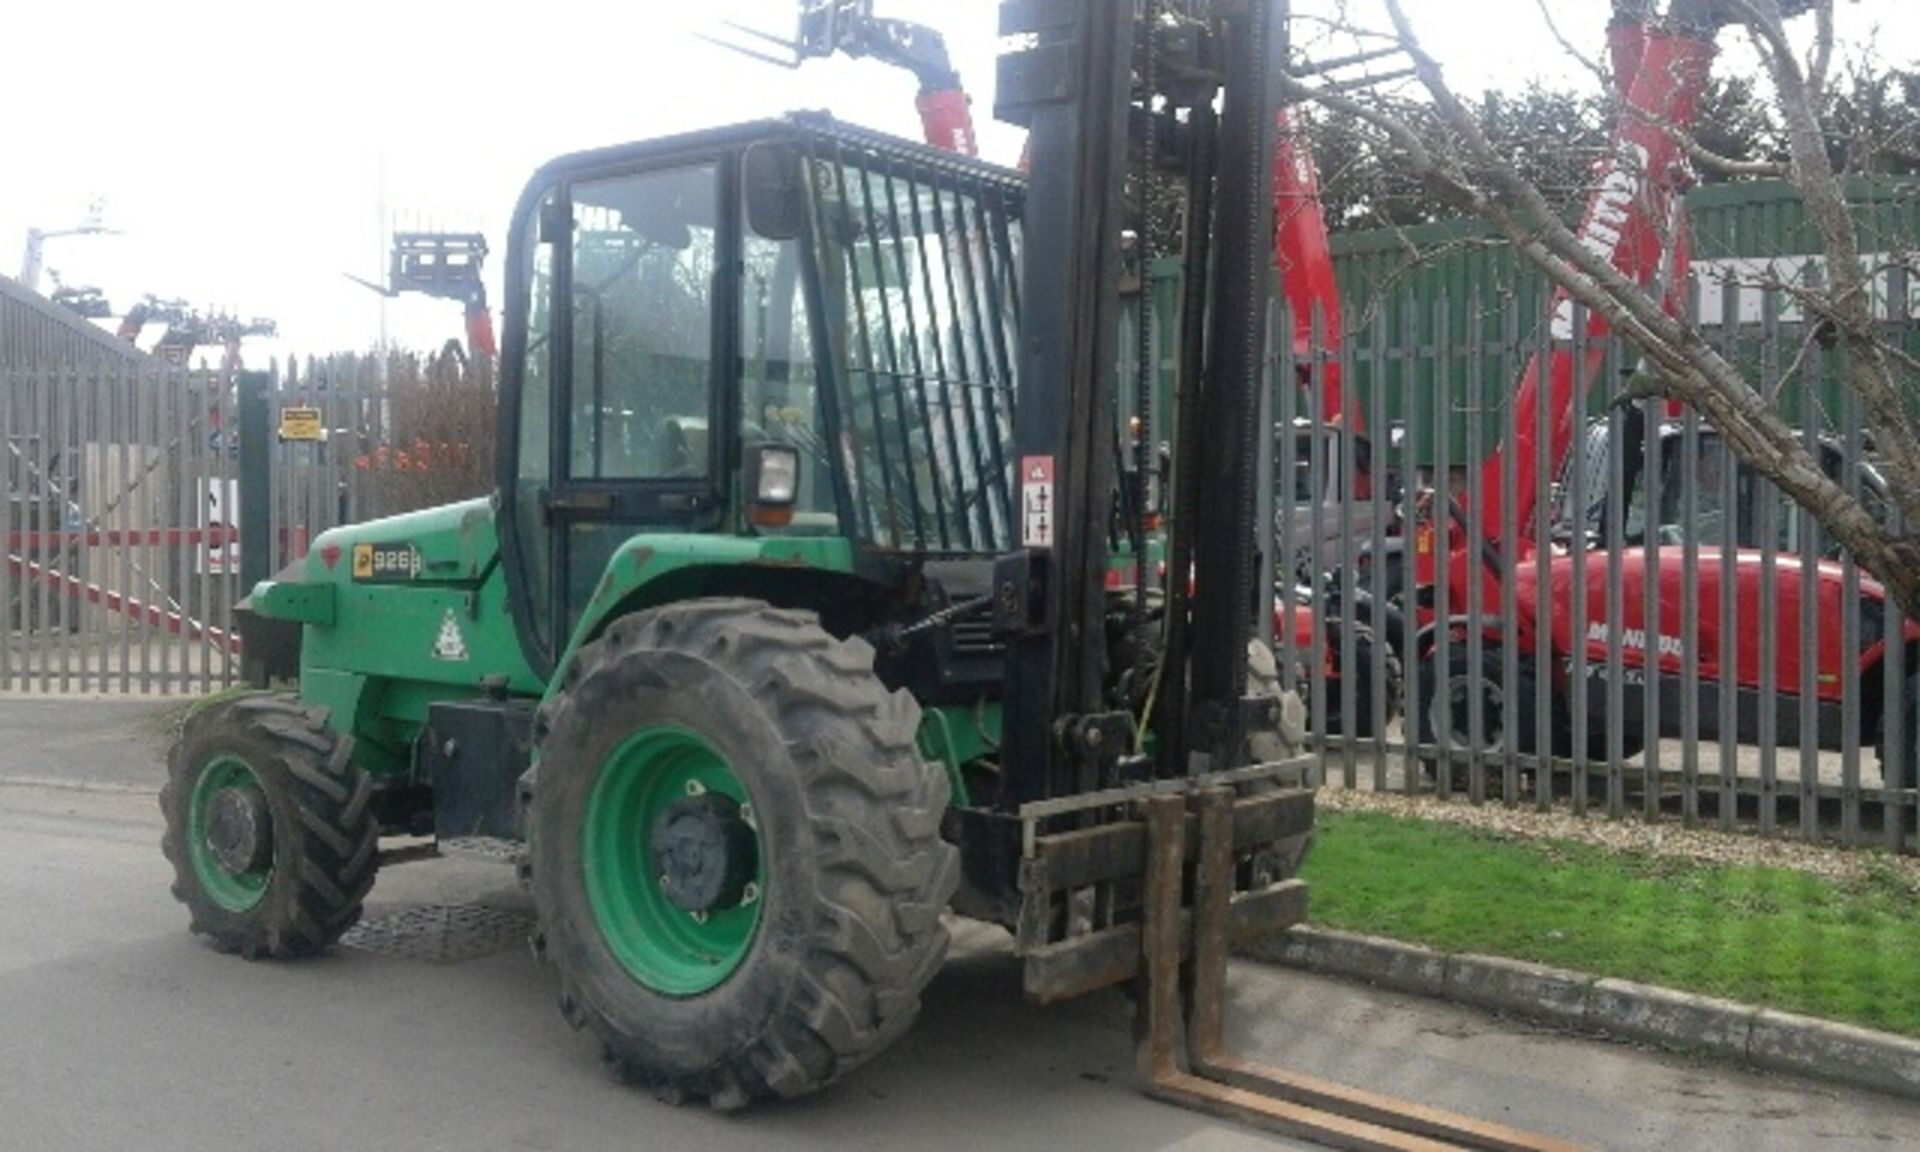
{"points": [[1470, 697], [189, 328], [446, 266], [850, 27]]}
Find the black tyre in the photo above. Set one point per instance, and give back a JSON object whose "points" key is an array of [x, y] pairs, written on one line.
{"points": [[1287, 739], [268, 826], [1359, 679], [1284, 741], [1633, 736], [1442, 718], [734, 850]]}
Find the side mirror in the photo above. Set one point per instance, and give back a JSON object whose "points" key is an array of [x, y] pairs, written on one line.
{"points": [[776, 199], [770, 478]]}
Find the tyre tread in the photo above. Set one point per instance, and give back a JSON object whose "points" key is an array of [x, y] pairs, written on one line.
{"points": [[337, 837], [875, 805]]}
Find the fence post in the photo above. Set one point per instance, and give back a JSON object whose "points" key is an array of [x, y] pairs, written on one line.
{"points": [[256, 480], [256, 511]]}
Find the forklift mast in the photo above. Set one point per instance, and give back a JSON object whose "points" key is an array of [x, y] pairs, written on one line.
{"points": [[1082, 83], [1094, 87]]}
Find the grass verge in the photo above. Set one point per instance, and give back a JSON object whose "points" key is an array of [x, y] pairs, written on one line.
{"points": [[1844, 950]]}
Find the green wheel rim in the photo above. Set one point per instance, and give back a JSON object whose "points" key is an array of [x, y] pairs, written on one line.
{"points": [[233, 891], [670, 950]]}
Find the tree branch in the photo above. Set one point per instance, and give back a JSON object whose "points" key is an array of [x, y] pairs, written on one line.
{"points": [[1692, 370], [1726, 165], [1593, 66], [1867, 369], [1821, 57]]}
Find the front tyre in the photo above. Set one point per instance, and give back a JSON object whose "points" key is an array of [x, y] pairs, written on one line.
{"points": [[268, 827], [734, 849]]}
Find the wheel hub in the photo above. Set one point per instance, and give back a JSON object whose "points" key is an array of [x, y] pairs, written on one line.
{"points": [[704, 852], [1457, 711], [240, 830]]}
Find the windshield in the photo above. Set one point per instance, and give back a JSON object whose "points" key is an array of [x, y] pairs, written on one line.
{"points": [[919, 293], [644, 252]]}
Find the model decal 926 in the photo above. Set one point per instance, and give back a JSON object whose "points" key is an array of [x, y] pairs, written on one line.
{"points": [[385, 562]]}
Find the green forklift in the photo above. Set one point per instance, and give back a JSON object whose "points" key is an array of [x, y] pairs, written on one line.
{"points": [[822, 596]]}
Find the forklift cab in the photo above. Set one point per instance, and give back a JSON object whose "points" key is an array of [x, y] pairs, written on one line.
{"points": [[793, 303]]}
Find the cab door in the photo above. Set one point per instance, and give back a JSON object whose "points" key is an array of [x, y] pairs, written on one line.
{"points": [[620, 427]]}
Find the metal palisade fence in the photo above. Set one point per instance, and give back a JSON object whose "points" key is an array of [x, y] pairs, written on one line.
{"points": [[125, 481], [1620, 619]]}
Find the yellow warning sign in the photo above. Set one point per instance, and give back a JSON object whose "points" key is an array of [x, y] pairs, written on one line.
{"points": [[301, 424]]}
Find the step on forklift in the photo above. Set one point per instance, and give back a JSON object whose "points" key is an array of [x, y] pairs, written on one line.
{"points": [[815, 602]]}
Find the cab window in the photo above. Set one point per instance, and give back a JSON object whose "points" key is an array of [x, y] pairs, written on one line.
{"points": [[645, 255]]}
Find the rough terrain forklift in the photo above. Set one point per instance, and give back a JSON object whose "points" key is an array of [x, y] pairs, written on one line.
{"points": [[813, 602]]}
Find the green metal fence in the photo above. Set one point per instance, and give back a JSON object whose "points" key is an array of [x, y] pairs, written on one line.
{"points": [[1462, 295]]}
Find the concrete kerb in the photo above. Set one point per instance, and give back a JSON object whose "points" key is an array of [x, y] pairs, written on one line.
{"points": [[1621, 1009]]}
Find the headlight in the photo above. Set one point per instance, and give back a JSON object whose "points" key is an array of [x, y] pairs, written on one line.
{"points": [[772, 482]]}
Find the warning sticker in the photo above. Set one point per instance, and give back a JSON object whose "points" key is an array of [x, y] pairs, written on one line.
{"points": [[1036, 501], [450, 645], [301, 424]]}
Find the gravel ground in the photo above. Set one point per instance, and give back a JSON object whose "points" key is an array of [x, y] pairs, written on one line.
{"points": [[1634, 835]]}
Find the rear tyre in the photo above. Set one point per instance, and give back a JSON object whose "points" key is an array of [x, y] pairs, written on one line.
{"points": [[268, 827], [734, 850], [1444, 717]]}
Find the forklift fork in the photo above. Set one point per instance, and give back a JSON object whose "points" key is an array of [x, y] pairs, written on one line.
{"points": [[1182, 1057]]}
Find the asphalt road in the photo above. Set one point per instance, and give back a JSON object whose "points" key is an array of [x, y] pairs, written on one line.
{"points": [[120, 1031]]}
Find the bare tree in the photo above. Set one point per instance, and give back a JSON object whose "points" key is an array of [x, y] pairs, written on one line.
{"points": [[1436, 134]]}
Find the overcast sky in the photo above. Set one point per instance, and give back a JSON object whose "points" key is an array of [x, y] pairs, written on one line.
{"points": [[246, 150]]}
